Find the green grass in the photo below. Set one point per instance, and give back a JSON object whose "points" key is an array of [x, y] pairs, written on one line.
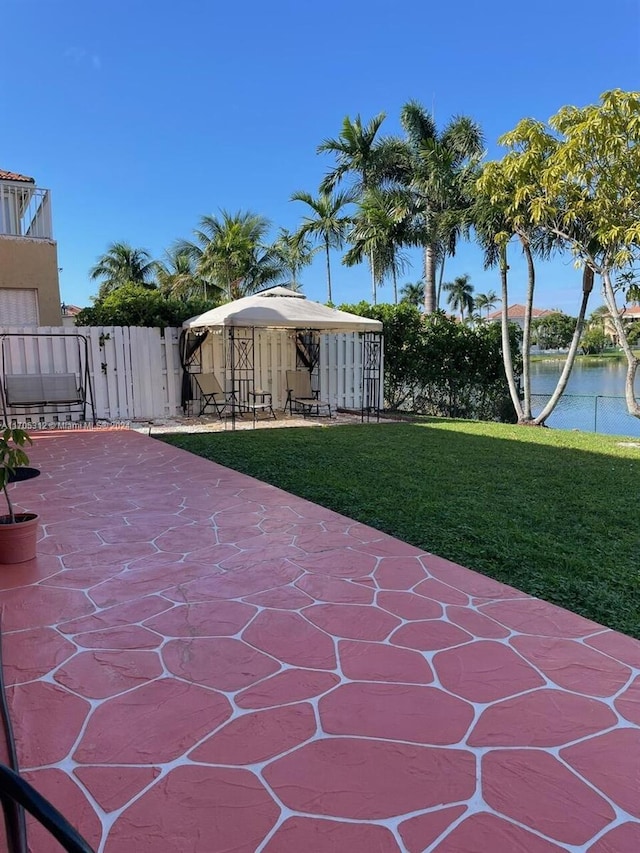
{"points": [[607, 355], [553, 513]]}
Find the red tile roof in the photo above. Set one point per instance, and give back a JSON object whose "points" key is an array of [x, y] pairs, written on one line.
{"points": [[14, 176], [70, 310], [517, 311]]}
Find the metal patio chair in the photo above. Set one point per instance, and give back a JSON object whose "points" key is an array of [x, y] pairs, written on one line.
{"points": [[301, 395], [211, 393]]}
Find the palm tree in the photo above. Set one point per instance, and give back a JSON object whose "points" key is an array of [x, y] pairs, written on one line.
{"points": [[442, 166], [413, 293], [506, 186], [460, 297], [486, 301], [178, 277], [295, 252], [358, 154], [379, 229], [122, 264], [229, 251], [325, 223]]}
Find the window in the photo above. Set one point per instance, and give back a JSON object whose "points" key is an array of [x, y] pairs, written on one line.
{"points": [[18, 307]]}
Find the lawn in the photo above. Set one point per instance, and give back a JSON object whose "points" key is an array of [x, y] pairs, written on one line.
{"points": [[553, 513]]}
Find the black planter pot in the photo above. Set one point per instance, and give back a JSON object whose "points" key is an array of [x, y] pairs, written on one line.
{"points": [[22, 474]]}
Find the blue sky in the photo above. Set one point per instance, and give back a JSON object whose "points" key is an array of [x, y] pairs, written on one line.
{"points": [[142, 116]]}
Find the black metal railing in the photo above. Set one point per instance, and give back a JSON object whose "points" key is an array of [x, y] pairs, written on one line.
{"points": [[17, 795]]}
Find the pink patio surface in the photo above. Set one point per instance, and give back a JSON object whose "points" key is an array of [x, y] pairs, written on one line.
{"points": [[199, 662]]}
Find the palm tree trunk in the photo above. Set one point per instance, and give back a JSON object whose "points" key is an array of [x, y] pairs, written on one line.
{"points": [[587, 287], [526, 334], [506, 343], [440, 279], [430, 253], [326, 246], [395, 285], [374, 292]]}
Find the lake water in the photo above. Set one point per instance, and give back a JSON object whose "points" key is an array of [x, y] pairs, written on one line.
{"points": [[594, 399]]}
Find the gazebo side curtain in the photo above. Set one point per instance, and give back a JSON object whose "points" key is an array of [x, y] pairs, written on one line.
{"points": [[308, 349], [189, 345]]}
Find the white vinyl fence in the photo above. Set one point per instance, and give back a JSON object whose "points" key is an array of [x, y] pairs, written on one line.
{"points": [[135, 372], [136, 375]]}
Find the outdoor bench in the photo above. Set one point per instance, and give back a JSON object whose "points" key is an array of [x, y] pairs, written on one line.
{"points": [[42, 389]]}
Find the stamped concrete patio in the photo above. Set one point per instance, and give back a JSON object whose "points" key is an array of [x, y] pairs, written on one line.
{"points": [[199, 662]]}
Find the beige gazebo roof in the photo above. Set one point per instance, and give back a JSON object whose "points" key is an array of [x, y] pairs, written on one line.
{"points": [[281, 308]]}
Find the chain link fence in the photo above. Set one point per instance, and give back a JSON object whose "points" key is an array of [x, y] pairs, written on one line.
{"points": [[607, 415]]}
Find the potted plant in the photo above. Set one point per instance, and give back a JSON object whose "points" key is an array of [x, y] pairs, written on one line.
{"points": [[18, 530]]}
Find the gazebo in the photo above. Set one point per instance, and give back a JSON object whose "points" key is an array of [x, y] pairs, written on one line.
{"points": [[251, 343]]}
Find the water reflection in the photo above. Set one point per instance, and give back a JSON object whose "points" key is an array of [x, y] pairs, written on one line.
{"points": [[594, 399]]}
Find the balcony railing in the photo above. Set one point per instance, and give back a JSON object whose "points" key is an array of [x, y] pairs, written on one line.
{"points": [[25, 211]]}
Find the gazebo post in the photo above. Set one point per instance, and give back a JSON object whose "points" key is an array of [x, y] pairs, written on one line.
{"points": [[241, 361], [371, 374], [232, 364]]}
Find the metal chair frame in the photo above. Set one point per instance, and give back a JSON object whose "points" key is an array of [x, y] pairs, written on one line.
{"points": [[301, 394], [210, 390]]}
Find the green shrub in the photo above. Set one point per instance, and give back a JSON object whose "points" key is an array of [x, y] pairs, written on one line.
{"points": [[435, 365], [135, 305], [553, 331], [634, 333], [593, 341]]}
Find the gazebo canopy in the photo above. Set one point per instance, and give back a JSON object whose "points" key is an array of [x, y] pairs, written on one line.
{"points": [[281, 308]]}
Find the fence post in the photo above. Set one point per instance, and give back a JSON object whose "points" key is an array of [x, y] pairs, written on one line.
{"points": [[595, 414]]}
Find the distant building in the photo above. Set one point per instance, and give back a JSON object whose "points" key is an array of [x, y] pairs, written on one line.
{"points": [[29, 287], [516, 313], [69, 314], [629, 314]]}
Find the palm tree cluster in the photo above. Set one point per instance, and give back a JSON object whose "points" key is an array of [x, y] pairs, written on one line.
{"points": [[382, 196], [414, 191], [461, 297], [228, 258]]}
